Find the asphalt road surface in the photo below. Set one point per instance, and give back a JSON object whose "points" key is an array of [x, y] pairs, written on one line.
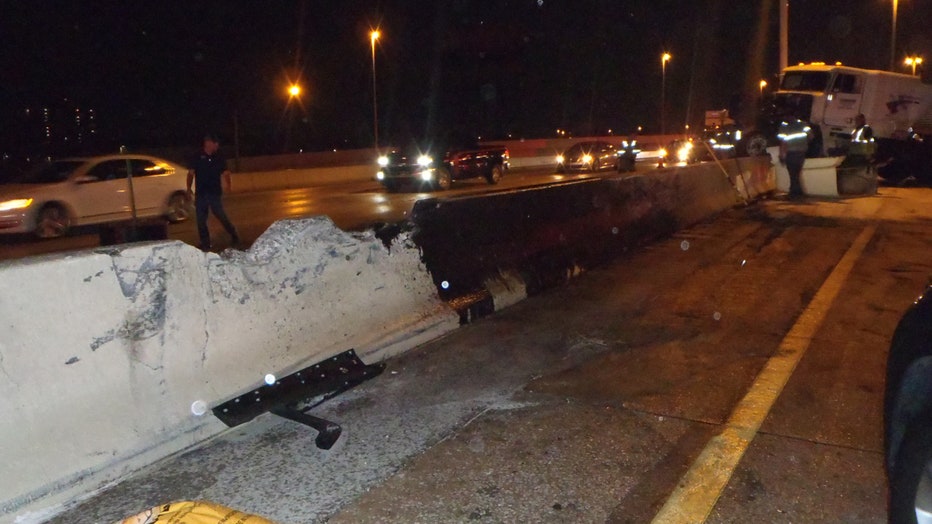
{"points": [[732, 373], [351, 206]]}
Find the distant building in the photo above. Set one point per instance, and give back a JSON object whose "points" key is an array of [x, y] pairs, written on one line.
{"points": [[61, 128]]}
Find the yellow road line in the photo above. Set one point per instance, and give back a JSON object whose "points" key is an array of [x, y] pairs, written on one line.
{"points": [[701, 486]]}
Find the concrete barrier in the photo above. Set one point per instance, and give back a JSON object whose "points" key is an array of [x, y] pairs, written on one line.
{"points": [[105, 353], [298, 178], [109, 358], [533, 239]]}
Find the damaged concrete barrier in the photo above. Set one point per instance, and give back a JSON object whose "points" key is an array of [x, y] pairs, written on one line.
{"points": [[112, 358], [485, 253]]}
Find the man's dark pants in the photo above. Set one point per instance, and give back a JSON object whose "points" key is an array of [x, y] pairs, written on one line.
{"points": [[794, 164], [204, 203]]}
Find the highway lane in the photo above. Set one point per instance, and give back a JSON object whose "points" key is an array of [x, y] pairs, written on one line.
{"points": [[592, 402], [352, 206]]}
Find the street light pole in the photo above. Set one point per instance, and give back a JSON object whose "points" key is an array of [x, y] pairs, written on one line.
{"points": [[893, 38], [373, 36], [663, 92], [913, 61]]}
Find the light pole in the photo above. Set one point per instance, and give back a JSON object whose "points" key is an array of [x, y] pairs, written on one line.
{"points": [[663, 92], [373, 36], [763, 84], [294, 91], [913, 61], [893, 38]]}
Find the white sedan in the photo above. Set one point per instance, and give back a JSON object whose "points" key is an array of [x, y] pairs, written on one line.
{"points": [[60, 194]]}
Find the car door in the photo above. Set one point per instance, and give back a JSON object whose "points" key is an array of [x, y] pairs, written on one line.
{"points": [[101, 193], [844, 100], [151, 185]]}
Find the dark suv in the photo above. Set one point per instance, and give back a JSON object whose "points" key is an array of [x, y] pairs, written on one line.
{"points": [[437, 167]]}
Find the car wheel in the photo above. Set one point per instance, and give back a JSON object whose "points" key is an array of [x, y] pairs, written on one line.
{"points": [[594, 166], [444, 181], [179, 208], [495, 176], [52, 222], [911, 478]]}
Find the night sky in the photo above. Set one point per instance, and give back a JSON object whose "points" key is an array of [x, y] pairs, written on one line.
{"points": [[160, 74]]}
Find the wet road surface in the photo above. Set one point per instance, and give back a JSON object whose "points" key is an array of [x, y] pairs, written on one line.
{"points": [[595, 402], [351, 206]]}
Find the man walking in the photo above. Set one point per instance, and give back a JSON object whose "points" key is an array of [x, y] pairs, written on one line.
{"points": [[794, 138], [208, 171]]}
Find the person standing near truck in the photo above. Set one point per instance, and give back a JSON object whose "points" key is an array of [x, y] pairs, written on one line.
{"points": [[210, 176], [794, 135]]}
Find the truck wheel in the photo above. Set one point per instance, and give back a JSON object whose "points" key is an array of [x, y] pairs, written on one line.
{"points": [[495, 176], [911, 479], [444, 181]]}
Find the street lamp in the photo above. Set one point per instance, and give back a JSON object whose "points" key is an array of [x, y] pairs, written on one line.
{"points": [[893, 37], [913, 61], [763, 84], [294, 90], [664, 58], [373, 36]]}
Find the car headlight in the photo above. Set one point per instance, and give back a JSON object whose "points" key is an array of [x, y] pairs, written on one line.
{"points": [[427, 176], [683, 153], [424, 160], [560, 159], [587, 159], [662, 152], [380, 175], [17, 203], [383, 161]]}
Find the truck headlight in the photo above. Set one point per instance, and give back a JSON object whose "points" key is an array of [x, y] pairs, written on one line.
{"points": [[560, 159], [383, 161], [380, 175], [424, 160], [427, 176], [17, 203]]}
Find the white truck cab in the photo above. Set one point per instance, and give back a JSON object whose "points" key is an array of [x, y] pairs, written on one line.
{"points": [[895, 105]]}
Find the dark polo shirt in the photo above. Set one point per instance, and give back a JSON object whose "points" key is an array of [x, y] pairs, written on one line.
{"points": [[207, 170]]}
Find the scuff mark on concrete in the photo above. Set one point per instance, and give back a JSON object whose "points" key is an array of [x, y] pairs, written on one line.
{"points": [[72, 360]]}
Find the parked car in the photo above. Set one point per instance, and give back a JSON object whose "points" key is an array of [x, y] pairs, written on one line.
{"points": [[589, 156], [437, 167], [908, 415], [55, 196]]}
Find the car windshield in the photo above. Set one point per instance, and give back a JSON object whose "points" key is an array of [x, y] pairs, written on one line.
{"points": [[805, 81], [49, 172]]}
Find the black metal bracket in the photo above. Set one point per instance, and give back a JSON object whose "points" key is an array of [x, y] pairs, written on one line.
{"points": [[306, 388]]}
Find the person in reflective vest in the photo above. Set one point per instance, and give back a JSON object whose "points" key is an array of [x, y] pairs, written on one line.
{"points": [[794, 135], [862, 141]]}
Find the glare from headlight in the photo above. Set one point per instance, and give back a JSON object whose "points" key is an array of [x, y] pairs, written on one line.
{"points": [[662, 152], [560, 159], [587, 159], [19, 203], [738, 135], [427, 176], [683, 153], [383, 161], [380, 175], [424, 160]]}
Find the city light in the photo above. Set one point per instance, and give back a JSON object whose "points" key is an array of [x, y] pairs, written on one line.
{"points": [[913, 61], [763, 84], [294, 90]]}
